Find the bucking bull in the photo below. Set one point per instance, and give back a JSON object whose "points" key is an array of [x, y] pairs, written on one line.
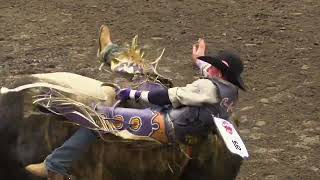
{"points": [[32, 125]]}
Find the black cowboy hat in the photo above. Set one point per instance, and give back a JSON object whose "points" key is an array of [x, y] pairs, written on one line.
{"points": [[229, 64]]}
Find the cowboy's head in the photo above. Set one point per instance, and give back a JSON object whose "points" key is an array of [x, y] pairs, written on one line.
{"points": [[226, 65]]}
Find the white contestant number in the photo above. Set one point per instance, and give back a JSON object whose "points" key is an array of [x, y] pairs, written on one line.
{"points": [[231, 137]]}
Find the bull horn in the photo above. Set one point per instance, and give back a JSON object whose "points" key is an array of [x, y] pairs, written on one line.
{"points": [[4, 90]]}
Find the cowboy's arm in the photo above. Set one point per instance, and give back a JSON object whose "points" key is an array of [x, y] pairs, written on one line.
{"points": [[198, 52], [203, 67], [158, 97], [195, 94], [200, 92]]}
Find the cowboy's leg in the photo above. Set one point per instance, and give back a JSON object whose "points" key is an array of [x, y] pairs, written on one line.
{"points": [[61, 159], [149, 123], [107, 50], [108, 53]]}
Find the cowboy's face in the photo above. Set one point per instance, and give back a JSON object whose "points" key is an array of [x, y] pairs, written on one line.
{"points": [[214, 72]]}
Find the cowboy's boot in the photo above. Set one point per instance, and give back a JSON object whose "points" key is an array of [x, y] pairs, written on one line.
{"points": [[41, 170], [37, 169], [107, 49], [104, 39]]}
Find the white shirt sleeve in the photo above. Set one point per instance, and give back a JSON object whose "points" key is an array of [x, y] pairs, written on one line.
{"points": [[203, 66], [200, 92]]}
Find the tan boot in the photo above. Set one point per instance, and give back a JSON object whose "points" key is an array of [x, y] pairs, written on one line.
{"points": [[37, 169], [42, 171], [104, 38]]}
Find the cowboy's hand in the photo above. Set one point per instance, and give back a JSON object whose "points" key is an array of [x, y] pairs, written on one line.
{"points": [[200, 51], [124, 94]]}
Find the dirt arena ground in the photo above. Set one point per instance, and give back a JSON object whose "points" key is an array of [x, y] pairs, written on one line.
{"points": [[278, 41]]}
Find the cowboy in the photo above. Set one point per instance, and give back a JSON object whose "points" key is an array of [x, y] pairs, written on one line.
{"points": [[186, 119]]}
